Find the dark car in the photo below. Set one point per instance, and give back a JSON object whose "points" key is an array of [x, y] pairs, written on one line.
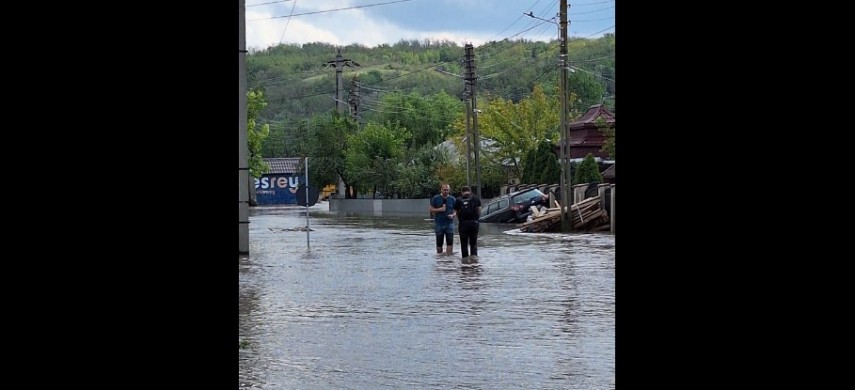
{"points": [[512, 208]]}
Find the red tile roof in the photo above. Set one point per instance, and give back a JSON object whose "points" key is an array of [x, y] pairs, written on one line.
{"points": [[590, 117]]}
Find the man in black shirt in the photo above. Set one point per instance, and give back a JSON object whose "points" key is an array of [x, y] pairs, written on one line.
{"points": [[468, 209]]}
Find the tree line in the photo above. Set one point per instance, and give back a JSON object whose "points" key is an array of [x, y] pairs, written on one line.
{"points": [[408, 132]]}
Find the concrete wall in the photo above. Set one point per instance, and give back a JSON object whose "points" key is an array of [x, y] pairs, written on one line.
{"points": [[382, 207]]}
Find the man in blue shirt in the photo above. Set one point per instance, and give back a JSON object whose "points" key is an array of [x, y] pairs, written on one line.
{"points": [[442, 208]]}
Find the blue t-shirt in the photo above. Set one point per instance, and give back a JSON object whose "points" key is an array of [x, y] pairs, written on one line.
{"points": [[441, 218]]}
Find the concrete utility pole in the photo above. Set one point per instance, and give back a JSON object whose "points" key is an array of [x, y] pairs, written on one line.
{"points": [[468, 137], [566, 202], [243, 148], [339, 63], [471, 79], [353, 99]]}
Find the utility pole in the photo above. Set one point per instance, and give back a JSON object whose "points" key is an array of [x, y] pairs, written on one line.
{"points": [[468, 136], [339, 63], [566, 193], [353, 98], [471, 80]]}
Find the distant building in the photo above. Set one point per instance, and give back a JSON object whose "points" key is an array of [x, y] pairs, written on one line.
{"points": [[609, 174], [584, 135], [279, 185]]}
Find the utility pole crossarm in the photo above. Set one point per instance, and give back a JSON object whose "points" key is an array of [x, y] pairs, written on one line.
{"points": [[338, 63]]}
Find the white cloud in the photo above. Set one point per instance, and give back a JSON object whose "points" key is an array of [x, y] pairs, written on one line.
{"points": [[367, 26], [262, 32]]}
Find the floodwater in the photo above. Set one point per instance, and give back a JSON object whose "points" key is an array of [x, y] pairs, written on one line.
{"points": [[366, 303]]}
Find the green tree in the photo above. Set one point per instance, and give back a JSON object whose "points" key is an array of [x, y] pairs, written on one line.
{"points": [[414, 83], [540, 165], [256, 133], [588, 171], [327, 148], [609, 131], [419, 172], [373, 156], [297, 87], [425, 118], [587, 90], [516, 128]]}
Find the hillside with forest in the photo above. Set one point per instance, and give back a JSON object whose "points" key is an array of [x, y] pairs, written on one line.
{"points": [[409, 101]]}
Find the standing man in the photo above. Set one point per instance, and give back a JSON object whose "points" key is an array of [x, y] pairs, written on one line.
{"points": [[442, 208], [468, 209]]}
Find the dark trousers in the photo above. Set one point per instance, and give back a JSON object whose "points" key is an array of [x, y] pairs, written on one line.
{"points": [[468, 237]]}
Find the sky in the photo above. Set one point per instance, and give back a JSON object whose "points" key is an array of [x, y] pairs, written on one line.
{"points": [[374, 22]]}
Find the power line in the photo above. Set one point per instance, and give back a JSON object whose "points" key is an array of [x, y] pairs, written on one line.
{"points": [[553, 5], [428, 67], [605, 29], [593, 59], [592, 73], [596, 10], [602, 2], [485, 46], [526, 62], [294, 4], [331, 10], [361, 85], [515, 21], [592, 20], [271, 2]]}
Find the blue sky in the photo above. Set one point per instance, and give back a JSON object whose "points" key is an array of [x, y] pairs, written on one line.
{"points": [[374, 22]]}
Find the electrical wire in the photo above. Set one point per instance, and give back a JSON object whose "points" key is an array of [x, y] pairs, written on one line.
{"points": [[270, 2], [294, 4], [331, 10]]}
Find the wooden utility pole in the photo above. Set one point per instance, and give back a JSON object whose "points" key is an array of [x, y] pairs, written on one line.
{"points": [[566, 196]]}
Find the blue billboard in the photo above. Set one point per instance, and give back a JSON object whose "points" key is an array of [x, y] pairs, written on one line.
{"points": [[277, 188]]}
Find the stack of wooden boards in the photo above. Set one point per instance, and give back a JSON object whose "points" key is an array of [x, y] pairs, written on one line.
{"points": [[587, 215]]}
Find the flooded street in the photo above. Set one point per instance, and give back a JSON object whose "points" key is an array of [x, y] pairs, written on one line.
{"points": [[371, 305]]}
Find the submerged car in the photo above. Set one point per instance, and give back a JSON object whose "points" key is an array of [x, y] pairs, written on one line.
{"points": [[512, 208]]}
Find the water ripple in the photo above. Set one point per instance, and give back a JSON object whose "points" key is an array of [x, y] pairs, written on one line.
{"points": [[369, 305]]}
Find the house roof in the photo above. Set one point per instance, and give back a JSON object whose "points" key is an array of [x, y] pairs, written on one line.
{"points": [[590, 117], [583, 141], [283, 165], [609, 173]]}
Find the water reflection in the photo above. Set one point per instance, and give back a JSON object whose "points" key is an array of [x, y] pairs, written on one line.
{"points": [[370, 305]]}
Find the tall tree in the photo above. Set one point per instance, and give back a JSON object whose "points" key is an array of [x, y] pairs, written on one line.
{"points": [[609, 131], [517, 128], [588, 171], [256, 133], [587, 90], [373, 157], [540, 165], [425, 118], [327, 148], [420, 172]]}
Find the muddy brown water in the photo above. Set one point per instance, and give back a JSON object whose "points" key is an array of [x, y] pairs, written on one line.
{"points": [[367, 304]]}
